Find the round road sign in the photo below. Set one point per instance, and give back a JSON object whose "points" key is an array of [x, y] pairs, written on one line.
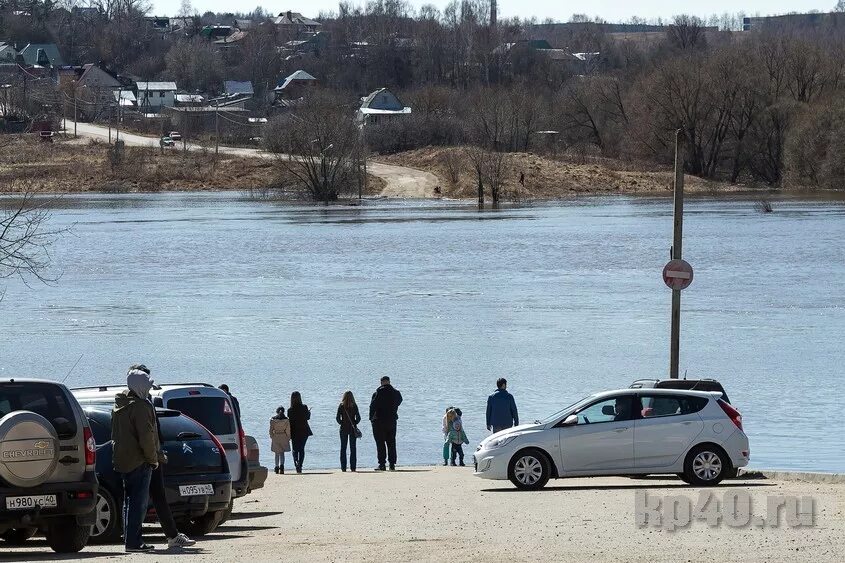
{"points": [[677, 274]]}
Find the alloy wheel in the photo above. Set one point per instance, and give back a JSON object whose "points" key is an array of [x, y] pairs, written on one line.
{"points": [[528, 470], [707, 465], [103, 516]]}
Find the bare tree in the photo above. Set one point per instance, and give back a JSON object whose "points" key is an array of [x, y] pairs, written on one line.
{"points": [[25, 240], [321, 144]]}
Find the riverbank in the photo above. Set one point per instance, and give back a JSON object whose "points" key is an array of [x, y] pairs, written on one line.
{"points": [[548, 178], [432, 514], [83, 165]]}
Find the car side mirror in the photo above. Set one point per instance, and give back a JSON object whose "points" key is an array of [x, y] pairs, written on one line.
{"points": [[608, 410], [570, 420]]}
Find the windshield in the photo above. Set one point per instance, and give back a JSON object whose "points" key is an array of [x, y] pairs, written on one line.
{"points": [[212, 412], [574, 406]]}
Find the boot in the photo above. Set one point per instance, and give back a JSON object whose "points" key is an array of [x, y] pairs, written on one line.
{"points": [[281, 470], [277, 470]]}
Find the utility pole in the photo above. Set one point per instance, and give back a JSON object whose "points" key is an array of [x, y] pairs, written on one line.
{"points": [[677, 241], [74, 112], [117, 127], [216, 130], [111, 111]]}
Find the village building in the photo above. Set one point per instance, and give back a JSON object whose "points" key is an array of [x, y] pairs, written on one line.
{"points": [[294, 86], [380, 106], [45, 55], [153, 96], [294, 23]]}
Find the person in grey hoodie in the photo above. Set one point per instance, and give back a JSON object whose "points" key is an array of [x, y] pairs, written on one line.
{"points": [[136, 451]]}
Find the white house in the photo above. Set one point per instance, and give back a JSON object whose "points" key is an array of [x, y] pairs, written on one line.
{"points": [[8, 53], [380, 106], [152, 96]]}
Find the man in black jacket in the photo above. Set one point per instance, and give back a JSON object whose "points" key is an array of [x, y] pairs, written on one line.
{"points": [[384, 409]]}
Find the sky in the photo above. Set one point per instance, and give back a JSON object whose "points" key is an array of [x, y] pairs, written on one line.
{"points": [[610, 10]]}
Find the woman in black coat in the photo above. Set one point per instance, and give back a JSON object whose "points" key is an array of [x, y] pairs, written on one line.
{"points": [[298, 414], [348, 418]]}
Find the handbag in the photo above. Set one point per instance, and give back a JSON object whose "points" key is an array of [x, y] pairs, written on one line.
{"points": [[358, 433]]}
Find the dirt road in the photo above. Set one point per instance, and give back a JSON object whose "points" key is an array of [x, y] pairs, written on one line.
{"points": [[400, 181], [438, 514]]}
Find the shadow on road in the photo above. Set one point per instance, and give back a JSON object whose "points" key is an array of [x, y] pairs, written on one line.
{"points": [[249, 515], [625, 487]]}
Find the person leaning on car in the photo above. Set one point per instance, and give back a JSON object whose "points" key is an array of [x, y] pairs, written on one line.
{"points": [[136, 450], [501, 408]]}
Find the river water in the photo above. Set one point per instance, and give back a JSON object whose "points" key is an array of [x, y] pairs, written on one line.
{"points": [[562, 299]]}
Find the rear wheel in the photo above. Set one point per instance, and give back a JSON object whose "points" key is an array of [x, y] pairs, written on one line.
{"points": [[64, 535], [706, 465], [201, 525], [530, 470], [107, 524], [227, 513], [17, 536]]}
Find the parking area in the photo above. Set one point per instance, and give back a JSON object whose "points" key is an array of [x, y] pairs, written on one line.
{"points": [[432, 514]]}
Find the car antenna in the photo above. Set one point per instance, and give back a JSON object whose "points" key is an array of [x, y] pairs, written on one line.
{"points": [[74, 367], [685, 375]]}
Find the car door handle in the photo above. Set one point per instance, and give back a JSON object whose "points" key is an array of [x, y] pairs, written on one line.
{"points": [[621, 429], [67, 460], [687, 423]]}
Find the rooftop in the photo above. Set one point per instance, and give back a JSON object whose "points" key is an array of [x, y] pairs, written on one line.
{"points": [[157, 86]]}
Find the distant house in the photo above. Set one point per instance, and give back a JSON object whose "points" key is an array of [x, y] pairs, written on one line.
{"points": [[126, 98], [236, 87], [97, 87], [8, 54], [294, 22], [294, 86], [152, 96], [313, 43], [41, 54], [216, 32], [380, 106], [189, 100]]}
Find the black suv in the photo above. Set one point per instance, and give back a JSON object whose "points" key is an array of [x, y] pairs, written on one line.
{"points": [[47, 456], [196, 476]]}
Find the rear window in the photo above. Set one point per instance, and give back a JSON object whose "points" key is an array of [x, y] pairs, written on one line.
{"points": [[214, 413], [45, 399], [174, 427]]}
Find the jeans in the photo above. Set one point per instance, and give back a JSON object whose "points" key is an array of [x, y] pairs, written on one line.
{"points": [[384, 432], [136, 497], [165, 517], [280, 459], [347, 435], [299, 452], [457, 450]]}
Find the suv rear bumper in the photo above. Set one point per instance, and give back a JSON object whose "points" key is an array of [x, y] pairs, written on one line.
{"points": [[77, 499], [199, 504]]}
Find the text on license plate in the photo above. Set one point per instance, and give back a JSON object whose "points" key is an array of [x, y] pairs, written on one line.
{"points": [[23, 503], [192, 490]]}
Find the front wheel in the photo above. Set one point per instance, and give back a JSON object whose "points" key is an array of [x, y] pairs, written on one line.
{"points": [[530, 470], [64, 535], [706, 466]]}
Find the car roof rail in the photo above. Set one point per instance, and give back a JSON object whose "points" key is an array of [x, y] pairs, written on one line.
{"points": [[98, 387], [162, 385]]}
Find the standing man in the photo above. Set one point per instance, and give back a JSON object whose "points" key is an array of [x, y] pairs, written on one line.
{"points": [[384, 409], [501, 408], [136, 448], [235, 404]]}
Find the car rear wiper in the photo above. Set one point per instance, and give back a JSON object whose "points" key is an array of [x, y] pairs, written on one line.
{"points": [[186, 435]]}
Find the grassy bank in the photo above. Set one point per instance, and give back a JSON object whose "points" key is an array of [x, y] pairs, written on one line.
{"points": [[546, 177], [68, 166]]}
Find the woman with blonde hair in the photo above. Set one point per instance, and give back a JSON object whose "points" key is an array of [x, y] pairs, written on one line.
{"points": [[348, 418]]}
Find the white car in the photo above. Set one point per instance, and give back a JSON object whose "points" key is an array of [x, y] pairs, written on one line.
{"points": [[694, 434]]}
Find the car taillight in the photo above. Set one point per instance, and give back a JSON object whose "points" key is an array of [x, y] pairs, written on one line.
{"points": [[90, 447], [732, 413], [244, 449]]}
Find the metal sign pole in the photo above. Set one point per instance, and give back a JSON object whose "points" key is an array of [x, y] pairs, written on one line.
{"points": [[677, 241]]}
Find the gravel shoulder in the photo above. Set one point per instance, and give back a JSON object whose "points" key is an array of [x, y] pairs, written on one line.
{"points": [[434, 514]]}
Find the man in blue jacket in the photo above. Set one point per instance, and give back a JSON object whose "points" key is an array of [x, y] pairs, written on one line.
{"points": [[501, 408]]}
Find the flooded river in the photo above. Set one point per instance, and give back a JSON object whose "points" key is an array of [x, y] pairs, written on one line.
{"points": [[562, 299]]}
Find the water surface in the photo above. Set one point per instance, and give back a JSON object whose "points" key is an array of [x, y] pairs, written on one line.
{"points": [[562, 299]]}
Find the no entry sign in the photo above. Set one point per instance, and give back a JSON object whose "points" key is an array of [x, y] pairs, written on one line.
{"points": [[677, 274]]}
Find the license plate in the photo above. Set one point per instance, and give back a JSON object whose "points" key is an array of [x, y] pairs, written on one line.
{"points": [[23, 503], [193, 490]]}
